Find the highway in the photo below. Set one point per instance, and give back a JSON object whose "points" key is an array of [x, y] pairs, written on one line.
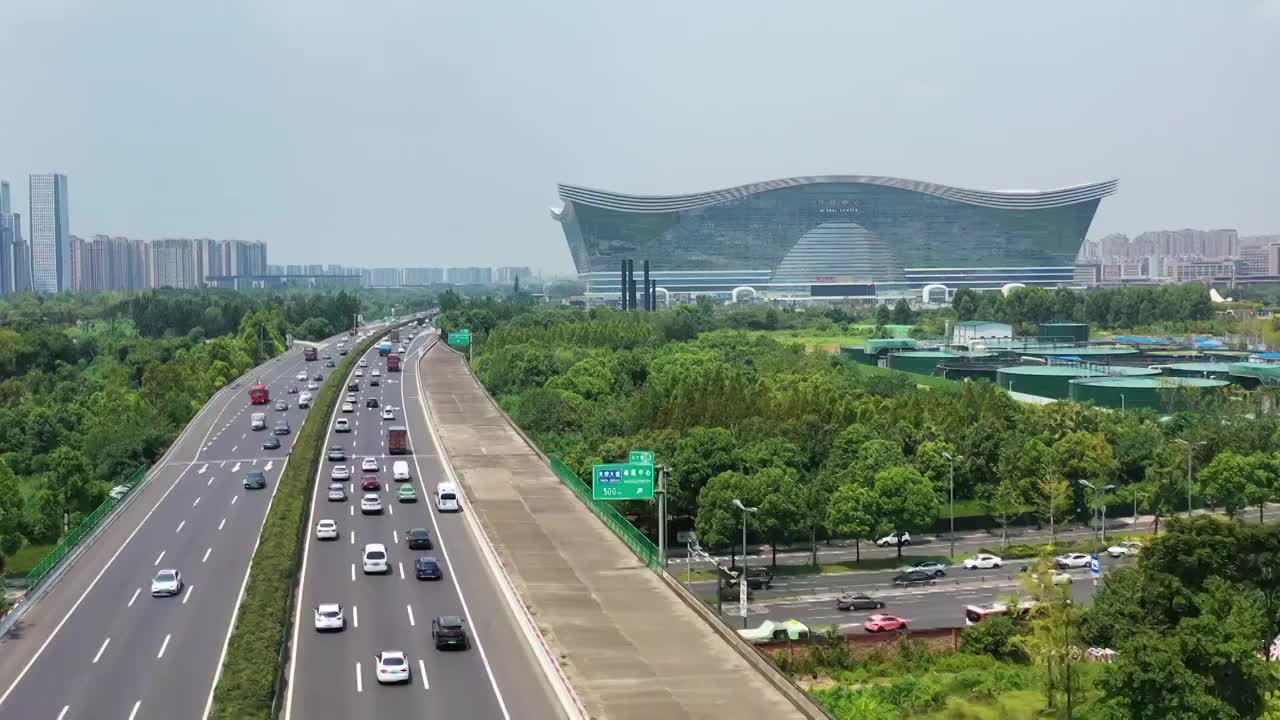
{"points": [[98, 645], [331, 675]]}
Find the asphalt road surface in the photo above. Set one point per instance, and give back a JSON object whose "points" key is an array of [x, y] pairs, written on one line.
{"points": [[98, 645], [331, 675]]}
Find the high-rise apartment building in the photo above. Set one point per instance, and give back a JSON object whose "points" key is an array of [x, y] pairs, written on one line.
{"points": [[50, 234], [6, 241], [384, 277], [507, 275], [172, 263], [21, 256], [423, 276], [470, 276]]}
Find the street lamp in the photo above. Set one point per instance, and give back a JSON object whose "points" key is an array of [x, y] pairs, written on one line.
{"points": [[746, 511], [1122, 402], [1191, 448], [952, 487], [1103, 490]]}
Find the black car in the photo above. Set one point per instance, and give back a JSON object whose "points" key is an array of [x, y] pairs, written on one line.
{"points": [[318, 377], [373, 382], [337, 453], [759, 578], [328, 363], [419, 539], [281, 406], [292, 389], [371, 403], [914, 577], [353, 386], [858, 601], [343, 351], [271, 443], [448, 632], [255, 480], [426, 568]]}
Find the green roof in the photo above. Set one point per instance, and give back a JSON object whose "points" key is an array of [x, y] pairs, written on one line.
{"points": [[1152, 383], [1203, 367]]}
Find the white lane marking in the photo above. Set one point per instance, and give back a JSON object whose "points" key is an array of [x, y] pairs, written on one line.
{"points": [[163, 646], [353, 572], [202, 469], [224, 522], [206, 555], [197, 502], [267, 466], [391, 509], [210, 480], [352, 508], [254, 462], [135, 597], [351, 488], [353, 537], [134, 712], [236, 467], [422, 670], [410, 610], [187, 595], [234, 498], [359, 680], [101, 650], [395, 537], [158, 558], [401, 570], [222, 464], [63, 714], [180, 526], [355, 616], [243, 435]]}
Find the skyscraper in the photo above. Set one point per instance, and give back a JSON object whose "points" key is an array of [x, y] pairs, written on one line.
{"points": [[6, 241], [50, 234], [21, 256]]}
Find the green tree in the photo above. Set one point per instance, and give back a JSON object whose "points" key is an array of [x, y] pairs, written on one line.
{"points": [[1053, 634], [902, 313], [450, 300], [315, 328], [965, 304], [907, 500], [12, 513], [1053, 500], [854, 512], [719, 522], [1004, 503], [781, 515], [883, 315], [1229, 479]]}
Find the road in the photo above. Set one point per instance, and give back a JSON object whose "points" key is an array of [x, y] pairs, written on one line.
{"points": [[331, 675], [98, 645]]}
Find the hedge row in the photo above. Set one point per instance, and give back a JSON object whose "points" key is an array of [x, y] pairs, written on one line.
{"points": [[246, 689]]}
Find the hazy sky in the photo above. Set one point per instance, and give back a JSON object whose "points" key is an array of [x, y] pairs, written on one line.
{"points": [[421, 132]]}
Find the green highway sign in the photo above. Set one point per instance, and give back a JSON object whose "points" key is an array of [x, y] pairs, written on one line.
{"points": [[622, 481], [461, 337], [640, 457]]}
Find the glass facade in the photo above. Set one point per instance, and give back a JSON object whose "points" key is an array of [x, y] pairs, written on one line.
{"points": [[50, 234], [820, 231]]}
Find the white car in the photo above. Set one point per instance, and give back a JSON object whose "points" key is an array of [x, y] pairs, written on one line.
{"points": [[301, 377], [1073, 560], [119, 491], [313, 385], [375, 373], [166, 583], [304, 400], [374, 559], [1128, 548], [339, 472], [364, 363], [342, 425], [1057, 577], [337, 492], [326, 530], [369, 464], [359, 372], [893, 539], [983, 561], [400, 350], [329, 617], [392, 667], [348, 407], [387, 414], [934, 568], [370, 504], [351, 398]]}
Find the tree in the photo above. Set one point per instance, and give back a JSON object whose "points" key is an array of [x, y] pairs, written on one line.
{"points": [[1053, 500], [1164, 486], [902, 313], [1004, 504], [994, 636], [12, 513], [854, 512], [1229, 479], [781, 513], [719, 522], [873, 457], [907, 500], [315, 328], [1054, 631], [965, 304], [450, 300], [883, 316]]}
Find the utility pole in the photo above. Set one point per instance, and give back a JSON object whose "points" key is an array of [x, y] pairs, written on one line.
{"points": [[744, 583], [661, 491], [952, 485], [1191, 448]]}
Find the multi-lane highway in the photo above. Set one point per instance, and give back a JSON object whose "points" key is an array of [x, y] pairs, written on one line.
{"points": [[332, 675], [98, 645]]}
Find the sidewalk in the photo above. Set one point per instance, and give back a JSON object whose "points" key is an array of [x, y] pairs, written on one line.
{"points": [[630, 647]]}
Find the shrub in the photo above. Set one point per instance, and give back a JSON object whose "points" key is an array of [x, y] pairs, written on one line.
{"points": [[993, 636]]}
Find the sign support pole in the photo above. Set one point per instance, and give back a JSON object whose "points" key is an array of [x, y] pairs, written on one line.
{"points": [[662, 515]]}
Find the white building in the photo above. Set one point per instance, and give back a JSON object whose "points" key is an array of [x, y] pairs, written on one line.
{"points": [[968, 332]]}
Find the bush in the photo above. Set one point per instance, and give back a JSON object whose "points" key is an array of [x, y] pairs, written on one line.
{"points": [[993, 636]]}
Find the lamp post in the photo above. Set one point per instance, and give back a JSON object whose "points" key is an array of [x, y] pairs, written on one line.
{"points": [[744, 585], [1191, 449], [951, 485], [1122, 402], [1103, 491]]}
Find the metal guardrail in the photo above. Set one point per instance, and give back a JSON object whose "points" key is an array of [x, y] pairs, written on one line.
{"points": [[639, 543], [64, 548]]}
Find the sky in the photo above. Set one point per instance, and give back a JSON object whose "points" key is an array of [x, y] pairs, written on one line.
{"points": [[420, 133]]}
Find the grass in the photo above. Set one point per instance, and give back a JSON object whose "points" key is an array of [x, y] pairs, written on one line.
{"points": [[832, 341], [928, 381], [20, 563]]}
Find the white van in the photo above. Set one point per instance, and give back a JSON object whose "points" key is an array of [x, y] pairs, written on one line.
{"points": [[400, 470], [447, 498], [258, 421], [304, 400]]}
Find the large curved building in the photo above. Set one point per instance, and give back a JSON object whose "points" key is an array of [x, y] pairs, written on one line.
{"points": [[830, 235]]}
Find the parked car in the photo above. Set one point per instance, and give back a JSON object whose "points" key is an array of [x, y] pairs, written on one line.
{"points": [[1128, 548], [933, 567], [858, 601], [884, 623], [983, 561], [894, 539], [914, 577]]}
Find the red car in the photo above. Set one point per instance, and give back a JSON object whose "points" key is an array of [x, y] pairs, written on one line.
{"points": [[370, 483], [884, 623]]}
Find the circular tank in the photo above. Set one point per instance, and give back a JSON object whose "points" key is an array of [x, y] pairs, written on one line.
{"points": [[961, 370], [1127, 393], [920, 362], [858, 354], [1214, 370], [1052, 381], [1090, 352]]}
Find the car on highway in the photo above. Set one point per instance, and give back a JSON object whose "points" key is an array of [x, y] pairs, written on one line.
{"points": [[400, 470], [1056, 577], [427, 568], [359, 372], [914, 577], [337, 453], [292, 389], [348, 407], [884, 623], [373, 382], [370, 484], [302, 376], [255, 480], [858, 601], [351, 398], [166, 583], [933, 567], [400, 350], [282, 406], [326, 530], [375, 373], [1128, 548], [1073, 560], [374, 559], [363, 363], [342, 425], [304, 400], [388, 414], [418, 539], [370, 504], [281, 428], [337, 492], [894, 539], [119, 491], [327, 356], [342, 352], [313, 385], [371, 402], [983, 561], [407, 494], [369, 464], [329, 363], [449, 633], [329, 617], [391, 666], [353, 386], [271, 443], [340, 472], [318, 377]]}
